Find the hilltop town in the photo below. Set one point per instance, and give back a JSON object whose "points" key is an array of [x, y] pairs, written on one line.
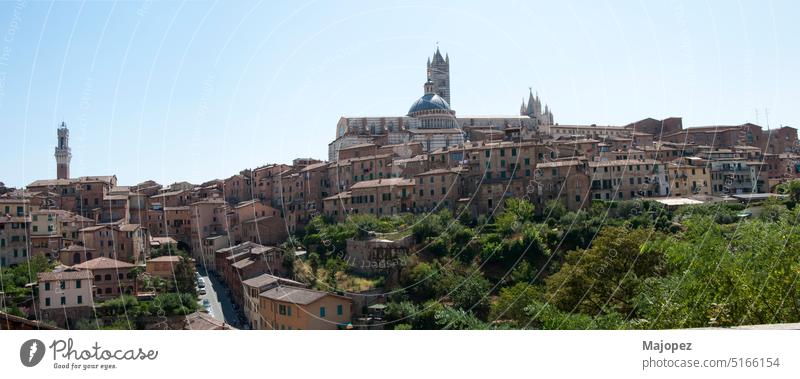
{"points": [[456, 213]]}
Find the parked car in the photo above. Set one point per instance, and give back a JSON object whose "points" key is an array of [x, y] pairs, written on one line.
{"points": [[201, 283], [202, 291]]}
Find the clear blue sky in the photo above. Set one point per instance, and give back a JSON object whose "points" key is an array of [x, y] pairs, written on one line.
{"points": [[200, 90]]}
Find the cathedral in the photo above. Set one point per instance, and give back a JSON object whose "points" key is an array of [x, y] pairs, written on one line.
{"points": [[534, 110], [431, 121]]}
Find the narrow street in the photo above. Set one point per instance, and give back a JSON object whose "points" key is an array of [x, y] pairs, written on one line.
{"points": [[221, 304]]}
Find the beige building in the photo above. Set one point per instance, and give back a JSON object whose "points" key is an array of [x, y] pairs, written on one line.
{"points": [[208, 218], [294, 308], [628, 179], [14, 241], [126, 242], [163, 266], [253, 287], [65, 295], [112, 278], [687, 180], [437, 189], [566, 181]]}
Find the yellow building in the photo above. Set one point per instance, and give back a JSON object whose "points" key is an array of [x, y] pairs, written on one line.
{"points": [[688, 180], [294, 308]]}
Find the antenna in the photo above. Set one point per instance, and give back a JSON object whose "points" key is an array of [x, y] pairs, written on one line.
{"points": [[766, 115]]}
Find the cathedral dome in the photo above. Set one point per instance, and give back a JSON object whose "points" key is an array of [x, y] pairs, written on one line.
{"points": [[429, 102]]}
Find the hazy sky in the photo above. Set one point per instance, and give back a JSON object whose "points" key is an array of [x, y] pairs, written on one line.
{"points": [[202, 89]]}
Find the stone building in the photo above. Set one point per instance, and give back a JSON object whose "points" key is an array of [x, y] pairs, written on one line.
{"points": [[295, 308], [111, 278], [628, 179], [65, 295]]}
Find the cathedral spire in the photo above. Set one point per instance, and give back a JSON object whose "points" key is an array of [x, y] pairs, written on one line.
{"points": [[531, 103]]}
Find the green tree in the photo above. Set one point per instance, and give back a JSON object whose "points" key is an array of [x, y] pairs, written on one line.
{"points": [[512, 302], [185, 278], [792, 189], [725, 276], [458, 319], [606, 276]]}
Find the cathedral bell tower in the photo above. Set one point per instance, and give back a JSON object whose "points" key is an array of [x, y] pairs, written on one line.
{"points": [[439, 74], [63, 152]]}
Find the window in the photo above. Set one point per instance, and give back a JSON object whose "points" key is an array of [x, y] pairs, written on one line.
{"points": [[62, 285], [282, 309], [80, 299], [78, 284], [108, 277], [47, 286], [97, 278], [339, 310], [321, 311], [289, 310], [487, 153], [63, 300], [47, 302]]}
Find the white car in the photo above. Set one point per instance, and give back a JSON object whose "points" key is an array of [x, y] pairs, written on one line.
{"points": [[202, 291]]}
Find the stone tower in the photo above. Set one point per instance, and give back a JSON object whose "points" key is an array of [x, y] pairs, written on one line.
{"points": [[439, 74], [63, 153]]}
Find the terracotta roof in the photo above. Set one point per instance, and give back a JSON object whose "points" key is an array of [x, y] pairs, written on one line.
{"points": [[267, 279], [166, 258], [67, 274], [171, 193], [93, 228], [129, 227], [340, 195], [624, 162], [77, 248], [8, 321], [558, 164], [315, 166], [202, 321], [163, 240], [294, 295], [383, 183], [441, 171], [101, 263]]}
